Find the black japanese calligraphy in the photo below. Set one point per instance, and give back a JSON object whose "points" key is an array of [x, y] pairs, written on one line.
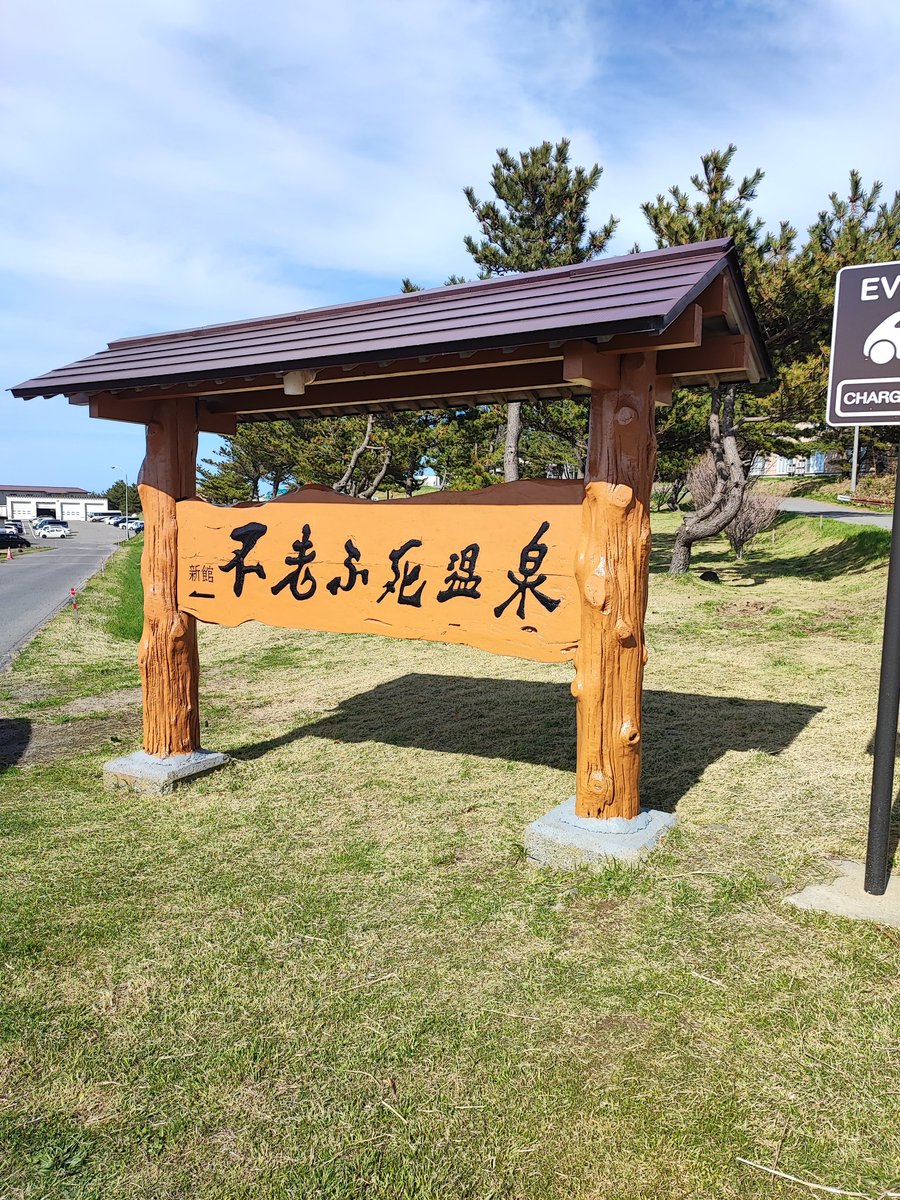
{"points": [[301, 577], [462, 580], [530, 560], [248, 536], [353, 571], [409, 577]]}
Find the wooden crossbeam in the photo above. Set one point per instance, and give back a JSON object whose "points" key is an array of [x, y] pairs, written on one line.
{"points": [[437, 386], [719, 354]]}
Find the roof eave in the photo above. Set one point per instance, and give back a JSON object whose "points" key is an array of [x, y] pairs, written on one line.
{"points": [[33, 389]]}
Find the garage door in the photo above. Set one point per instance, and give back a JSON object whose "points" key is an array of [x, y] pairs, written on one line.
{"points": [[71, 512], [20, 509]]}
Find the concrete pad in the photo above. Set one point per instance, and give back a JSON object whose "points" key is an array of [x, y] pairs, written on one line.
{"points": [[144, 772], [845, 897], [562, 840]]}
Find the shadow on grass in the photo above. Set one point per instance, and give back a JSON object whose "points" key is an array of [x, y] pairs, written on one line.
{"points": [[858, 548], [534, 722], [15, 734]]}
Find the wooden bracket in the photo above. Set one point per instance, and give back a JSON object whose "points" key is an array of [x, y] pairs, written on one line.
{"points": [[210, 422], [584, 364], [686, 330], [110, 408], [716, 300], [142, 412], [662, 391]]}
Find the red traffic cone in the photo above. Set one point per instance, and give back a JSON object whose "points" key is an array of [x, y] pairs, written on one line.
{"points": [[9, 553]]}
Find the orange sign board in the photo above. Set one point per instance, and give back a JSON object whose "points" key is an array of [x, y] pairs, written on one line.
{"points": [[493, 569]]}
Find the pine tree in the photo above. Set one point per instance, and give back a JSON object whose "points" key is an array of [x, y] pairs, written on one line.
{"points": [[722, 209], [793, 295], [538, 219]]}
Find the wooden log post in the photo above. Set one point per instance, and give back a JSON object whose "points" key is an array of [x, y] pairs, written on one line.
{"points": [[612, 572], [167, 654]]}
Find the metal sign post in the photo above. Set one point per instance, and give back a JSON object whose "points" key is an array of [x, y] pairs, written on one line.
{"points": [[864, 389]]}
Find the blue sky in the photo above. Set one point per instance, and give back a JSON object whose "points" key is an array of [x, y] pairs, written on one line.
{"points": [[170, 163]]}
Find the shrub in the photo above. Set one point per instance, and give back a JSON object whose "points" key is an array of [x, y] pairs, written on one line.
{"points": [[755, 515], [757, 512], [876, 487]]}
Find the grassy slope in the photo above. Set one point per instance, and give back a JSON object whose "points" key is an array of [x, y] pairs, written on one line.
{"points": [[815, 487], [326, 971]]}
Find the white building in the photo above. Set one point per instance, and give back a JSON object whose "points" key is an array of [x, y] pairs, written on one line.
{"points": [[27, 503]]}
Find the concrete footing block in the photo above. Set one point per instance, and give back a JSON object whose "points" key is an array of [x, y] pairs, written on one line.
{"points": [[846, 896], [144, 772], [562, 840]]}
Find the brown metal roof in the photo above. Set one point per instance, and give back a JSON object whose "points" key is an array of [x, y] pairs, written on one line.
{"points": [[636, 293]]}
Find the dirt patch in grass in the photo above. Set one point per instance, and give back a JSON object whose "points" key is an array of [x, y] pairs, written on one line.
{"points": [[42, 742], [744, 608]]}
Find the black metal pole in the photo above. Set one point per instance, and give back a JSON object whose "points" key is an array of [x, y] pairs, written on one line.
{"points": [[886, 726]]}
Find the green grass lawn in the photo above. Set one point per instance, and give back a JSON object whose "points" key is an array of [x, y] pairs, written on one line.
{"points": [[326, 971]]}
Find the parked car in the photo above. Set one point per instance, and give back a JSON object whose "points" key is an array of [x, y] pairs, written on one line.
{"points": [[134, 523], [104, 516], [14, 526], [12, 541], [115, 520], [54, 531]]}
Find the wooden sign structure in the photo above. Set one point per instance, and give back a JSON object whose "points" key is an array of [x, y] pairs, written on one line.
{"points": [[546, 570], [492, 568]]}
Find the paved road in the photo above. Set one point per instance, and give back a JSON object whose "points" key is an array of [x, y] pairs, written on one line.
{"points": [[34, 586], [839, 512]]}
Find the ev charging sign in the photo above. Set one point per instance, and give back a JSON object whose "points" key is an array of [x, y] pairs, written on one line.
{"points": [[864, 377]]}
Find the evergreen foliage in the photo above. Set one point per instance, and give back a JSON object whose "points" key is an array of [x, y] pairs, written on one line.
{"points": [[116, 497], [539, 217]]}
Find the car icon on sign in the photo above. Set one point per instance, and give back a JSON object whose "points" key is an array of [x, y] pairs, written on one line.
{"points": [[883, 343]]}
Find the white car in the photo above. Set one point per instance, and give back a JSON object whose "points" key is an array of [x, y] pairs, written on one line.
{"points": [[54, 531], [883, 343]]}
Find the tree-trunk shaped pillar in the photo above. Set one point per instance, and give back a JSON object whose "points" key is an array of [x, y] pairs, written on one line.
{"points": [[612, 571], [167, 653]]}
